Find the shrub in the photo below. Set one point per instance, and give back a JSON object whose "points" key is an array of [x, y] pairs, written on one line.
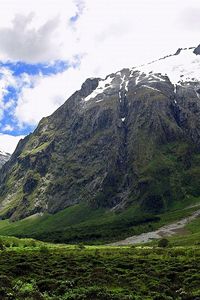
{"points": [[33, 244], [47, 285], [163, 243], [15, 244], [2, 246], [44, 250], [80, 246]]}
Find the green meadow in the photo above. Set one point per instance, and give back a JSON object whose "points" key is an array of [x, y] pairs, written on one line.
{"points": [[80, 223]]}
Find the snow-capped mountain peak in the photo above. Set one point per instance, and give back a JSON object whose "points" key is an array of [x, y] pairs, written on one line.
{"points": [[179, 69], [183, 66]]}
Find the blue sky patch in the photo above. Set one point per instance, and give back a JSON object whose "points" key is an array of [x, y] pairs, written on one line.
{"points": [[20, 68], [74, 18], [8, 123]]}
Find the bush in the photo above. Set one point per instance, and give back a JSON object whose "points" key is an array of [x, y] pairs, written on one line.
{"points": [[32, 244], [2, 246], [80, 246], [44, 250], [163, 243]]}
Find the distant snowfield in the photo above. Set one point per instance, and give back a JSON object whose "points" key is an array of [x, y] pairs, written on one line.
{"points": [[179, 68]]}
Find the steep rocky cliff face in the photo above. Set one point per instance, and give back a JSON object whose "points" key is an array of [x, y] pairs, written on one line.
{"points": [[4, 157], [130, 138]]}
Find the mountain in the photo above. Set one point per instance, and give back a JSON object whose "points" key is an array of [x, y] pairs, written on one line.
{"points": [[4, 157], [132, 138]]}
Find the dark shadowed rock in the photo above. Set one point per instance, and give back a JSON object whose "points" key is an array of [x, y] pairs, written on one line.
{"points": [[197, 50]]}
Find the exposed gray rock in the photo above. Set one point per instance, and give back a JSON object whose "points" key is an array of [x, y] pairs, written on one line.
{"points": [[197, 50]]}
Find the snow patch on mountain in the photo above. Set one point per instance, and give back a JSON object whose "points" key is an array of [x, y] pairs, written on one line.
{"points": [[4, 157], [179, 68], [102, 86], [150, 87], [4, 153]]}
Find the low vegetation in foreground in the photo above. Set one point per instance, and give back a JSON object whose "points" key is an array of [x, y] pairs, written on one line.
{"points": [[37, 271]]}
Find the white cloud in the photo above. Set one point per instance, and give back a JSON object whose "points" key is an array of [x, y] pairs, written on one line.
{"points": [[8, 142], [23, 43], [8, 127], [128, 31], [6, 80], [36, 32], [43, 99], [118, 34], [47, 95]]}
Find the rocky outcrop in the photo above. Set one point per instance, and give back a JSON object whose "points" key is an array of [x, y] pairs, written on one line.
{"points": [[197, 50]]}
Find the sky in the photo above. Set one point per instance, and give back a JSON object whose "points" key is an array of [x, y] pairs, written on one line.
{"points": [[49, 47]]}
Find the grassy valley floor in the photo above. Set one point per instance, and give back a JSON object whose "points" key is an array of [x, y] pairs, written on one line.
{"points": [[80, 223]]}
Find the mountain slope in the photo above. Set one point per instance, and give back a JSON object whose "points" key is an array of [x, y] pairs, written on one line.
{"points": [[130, 139], [4, 157]]}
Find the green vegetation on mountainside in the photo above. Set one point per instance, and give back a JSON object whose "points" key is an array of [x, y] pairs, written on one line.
{"points": [[170, 178], [80, 223]]}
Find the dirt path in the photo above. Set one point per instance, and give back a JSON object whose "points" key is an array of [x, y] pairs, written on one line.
{"points": [[165, 231]]}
